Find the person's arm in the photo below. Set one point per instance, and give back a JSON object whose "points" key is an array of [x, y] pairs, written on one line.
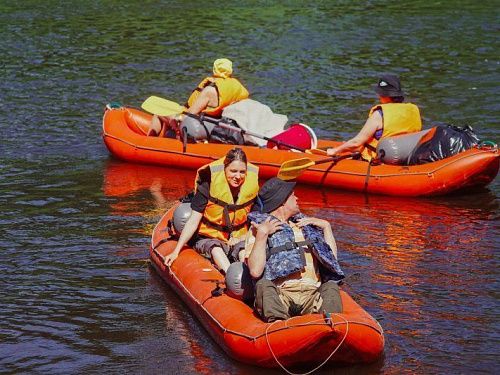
{"points": [[257, 258], [374, 123], [208, 97], [198, 204], [187, 232], [325, 226]]}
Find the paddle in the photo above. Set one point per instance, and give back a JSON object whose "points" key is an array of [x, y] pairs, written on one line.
{"points": [[293, 168], [164, 107], [217, 122]]}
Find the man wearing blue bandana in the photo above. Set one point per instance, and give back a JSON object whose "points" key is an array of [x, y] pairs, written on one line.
{"points": [[294, 257]]}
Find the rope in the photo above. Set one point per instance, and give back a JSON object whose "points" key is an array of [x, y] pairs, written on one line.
{"points": [[346, 322]]}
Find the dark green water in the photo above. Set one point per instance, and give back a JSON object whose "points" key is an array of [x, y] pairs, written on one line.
{"points": [[76, 293]]}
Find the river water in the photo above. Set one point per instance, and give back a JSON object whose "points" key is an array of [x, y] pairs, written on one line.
{"points": [[77, 295]]}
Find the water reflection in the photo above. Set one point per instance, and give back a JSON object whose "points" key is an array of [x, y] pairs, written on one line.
{"points": [[133, 184], [148, 191], [423, 266], [75, 295]]}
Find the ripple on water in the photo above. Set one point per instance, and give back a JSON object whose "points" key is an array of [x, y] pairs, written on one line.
{"points": [[75, 295]]}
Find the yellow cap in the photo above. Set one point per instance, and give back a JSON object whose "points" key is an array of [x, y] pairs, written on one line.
{"points": [[223, 68]]}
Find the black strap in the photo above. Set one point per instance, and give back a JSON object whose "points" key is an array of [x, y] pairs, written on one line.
{"points": [[184, 139], [223, 228], [286, 247], [370, 147], [228, 227], [230, 206], [202, 116], [162, 241], [370, 163], [200, 89]]}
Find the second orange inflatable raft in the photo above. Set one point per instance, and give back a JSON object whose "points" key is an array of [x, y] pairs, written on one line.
{"points": [[308, 341], [124, 137]]}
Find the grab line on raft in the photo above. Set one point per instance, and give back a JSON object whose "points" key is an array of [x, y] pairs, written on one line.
{"points": [[409, 173], [322, 363]]}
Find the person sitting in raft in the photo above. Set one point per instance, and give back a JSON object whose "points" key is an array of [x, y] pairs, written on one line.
{"points": [[224, 193], [391, 117], [210, 97], [294, 256]]}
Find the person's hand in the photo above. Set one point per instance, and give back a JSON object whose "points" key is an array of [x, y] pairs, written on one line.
{"points": [[331, 151], [234, 240], [169, 259], [320, 223], [268, 227]]}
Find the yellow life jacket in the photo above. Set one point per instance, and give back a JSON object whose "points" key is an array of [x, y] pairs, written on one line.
{"points": [[229, 91], [223, 218], [398, 118]]}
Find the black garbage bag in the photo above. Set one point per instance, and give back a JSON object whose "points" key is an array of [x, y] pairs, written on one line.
{"points": [[204, 128], [442, 142], [228, 136], [220, 134]]}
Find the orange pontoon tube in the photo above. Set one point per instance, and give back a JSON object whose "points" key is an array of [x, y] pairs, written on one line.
{"points": [[124, 136]]}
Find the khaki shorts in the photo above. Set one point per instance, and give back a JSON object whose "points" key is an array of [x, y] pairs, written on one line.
{"points": [[304, 296], [290, 299]]}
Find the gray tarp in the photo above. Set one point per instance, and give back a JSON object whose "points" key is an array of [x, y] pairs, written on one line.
{"points": [[257, 118]]}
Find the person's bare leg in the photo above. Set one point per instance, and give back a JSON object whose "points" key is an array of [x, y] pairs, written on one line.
{"points": [[155, 126], [220, 259]]}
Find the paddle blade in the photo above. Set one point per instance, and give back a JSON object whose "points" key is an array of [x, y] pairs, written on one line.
{"points": [[316, 151], [162, 107], [292, 169]]}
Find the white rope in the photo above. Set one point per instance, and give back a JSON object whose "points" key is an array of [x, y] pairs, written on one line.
{"points": [[346, 322]]}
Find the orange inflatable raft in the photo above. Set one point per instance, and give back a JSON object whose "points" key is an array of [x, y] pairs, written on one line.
{"points": [[123, 134], [308, 341]]}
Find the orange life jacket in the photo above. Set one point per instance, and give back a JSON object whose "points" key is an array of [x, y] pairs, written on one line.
{"points": [[398, 118], [229, 91], [223, 218]]}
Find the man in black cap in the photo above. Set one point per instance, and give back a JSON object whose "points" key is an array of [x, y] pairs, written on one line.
{"points": [[293, 256], [390, 117]]}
